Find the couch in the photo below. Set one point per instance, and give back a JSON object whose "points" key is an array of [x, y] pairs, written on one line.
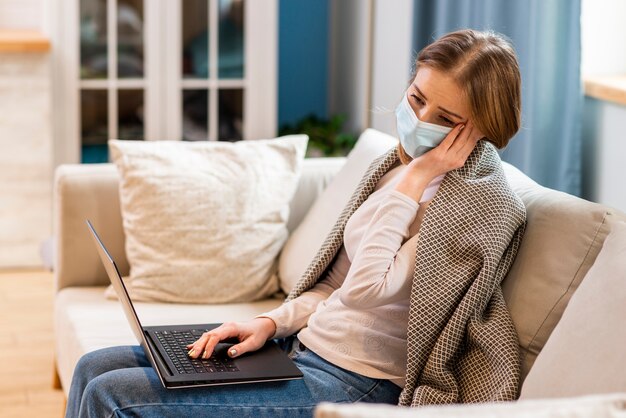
{"points": [[565, 236]]}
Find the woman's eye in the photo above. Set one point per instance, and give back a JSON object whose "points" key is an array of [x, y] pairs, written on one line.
{"points": [[446, 120], [417, 99]]}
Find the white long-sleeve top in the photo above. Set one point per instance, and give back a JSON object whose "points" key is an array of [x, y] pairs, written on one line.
{"points": [[356, 317]]}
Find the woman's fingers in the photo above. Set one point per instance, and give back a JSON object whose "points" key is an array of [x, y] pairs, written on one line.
{"points": [[462, 137], [450, 139], [465, 143], [249, 344], [250, 335], [205, 345], [450, 154], [468, 145]]}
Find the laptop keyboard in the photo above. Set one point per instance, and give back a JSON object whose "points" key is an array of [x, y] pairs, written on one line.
{"points": [[175, 342]]}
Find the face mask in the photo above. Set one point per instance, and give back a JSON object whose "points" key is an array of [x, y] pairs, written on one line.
{"points": [[416, 136]]}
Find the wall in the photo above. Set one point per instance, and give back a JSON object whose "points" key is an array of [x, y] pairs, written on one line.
{"points": [[21, 14], [25, 171], [370, 61], [604, 153], [25, 130], [392, 61], [349, 62], [303, 59], [604, 145]]}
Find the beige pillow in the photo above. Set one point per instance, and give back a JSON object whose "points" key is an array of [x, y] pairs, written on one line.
{"points": [[563, 237], [205, 221], [586, 352], [308, 237]]}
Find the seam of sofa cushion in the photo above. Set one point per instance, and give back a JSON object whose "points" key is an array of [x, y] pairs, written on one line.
{"points": [[595, 237]]}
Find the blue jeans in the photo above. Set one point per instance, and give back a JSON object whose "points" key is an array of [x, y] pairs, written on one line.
{"points": [[120, 382]]}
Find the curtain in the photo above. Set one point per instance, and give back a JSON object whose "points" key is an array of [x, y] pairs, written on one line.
{"points": [[546, 37]]}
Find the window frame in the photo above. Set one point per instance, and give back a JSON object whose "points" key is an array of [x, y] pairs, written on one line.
{"points": [[162, 82]]}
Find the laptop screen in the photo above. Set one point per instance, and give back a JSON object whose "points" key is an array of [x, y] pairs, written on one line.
{"points": [[118, 285]]}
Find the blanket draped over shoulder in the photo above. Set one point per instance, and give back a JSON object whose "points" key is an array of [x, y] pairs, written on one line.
{"points": [[461, 342]]}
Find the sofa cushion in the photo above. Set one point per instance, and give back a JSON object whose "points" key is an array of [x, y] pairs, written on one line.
{"points": [[585, 353], [205, 221], [85, 321], [307, 238], [563, 237], [317, 173]]}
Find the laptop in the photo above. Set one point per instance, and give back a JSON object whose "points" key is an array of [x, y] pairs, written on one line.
{"points": [[165, 347]]}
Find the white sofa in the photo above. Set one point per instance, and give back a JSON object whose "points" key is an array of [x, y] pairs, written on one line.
{"points": [[84, 319], [538, 287]]}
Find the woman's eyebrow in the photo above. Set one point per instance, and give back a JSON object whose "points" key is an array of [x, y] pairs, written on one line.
{"points": [[419, 91], [444, 109]]}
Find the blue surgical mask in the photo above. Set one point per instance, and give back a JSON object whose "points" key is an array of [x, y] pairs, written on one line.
{"points": [[417, 136]]}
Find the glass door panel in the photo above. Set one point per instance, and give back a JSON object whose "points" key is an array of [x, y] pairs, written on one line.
{"points": [[93, 39], [178, 69], [230, 114], [195, 115], [130, 114], [112, 85], [130, 42], [231, 33], [195, 38], [94, 126], [212, 71]]}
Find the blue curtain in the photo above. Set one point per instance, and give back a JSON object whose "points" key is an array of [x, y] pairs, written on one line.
{"points": [[546, 37]]}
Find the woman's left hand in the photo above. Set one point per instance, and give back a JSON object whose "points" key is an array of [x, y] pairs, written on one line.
{"points": [[450, 154]]}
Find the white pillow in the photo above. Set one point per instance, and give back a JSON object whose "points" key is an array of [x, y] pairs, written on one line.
{"points": [[205, 221], [308, 237]]}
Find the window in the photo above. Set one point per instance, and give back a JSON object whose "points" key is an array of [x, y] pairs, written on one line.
{"points": [[164, 70], [603, 65]]}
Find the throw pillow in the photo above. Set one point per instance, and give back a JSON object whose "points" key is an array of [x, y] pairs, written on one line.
{"points": [[585, 353], [307, 238], [563, 237], [205, 221]]}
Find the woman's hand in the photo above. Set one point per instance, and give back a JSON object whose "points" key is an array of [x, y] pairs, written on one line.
{"points": [[450, 154], [252, 335]]}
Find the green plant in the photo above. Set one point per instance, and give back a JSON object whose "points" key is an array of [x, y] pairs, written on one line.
{"points": [[325, 135]]}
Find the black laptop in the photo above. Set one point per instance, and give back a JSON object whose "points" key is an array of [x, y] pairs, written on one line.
{"points": [[165, 347]]}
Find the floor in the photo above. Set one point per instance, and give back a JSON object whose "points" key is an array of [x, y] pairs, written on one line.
{"points": [[26, 346]]}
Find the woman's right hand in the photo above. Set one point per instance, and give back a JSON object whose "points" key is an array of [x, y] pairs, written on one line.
{"points": [[252, 335], [450, 154]]}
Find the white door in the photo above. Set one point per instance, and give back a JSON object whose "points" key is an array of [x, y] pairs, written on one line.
{"points": [[163, 70]]}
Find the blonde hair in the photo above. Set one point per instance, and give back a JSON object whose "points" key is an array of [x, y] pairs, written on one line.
{"points": [[485, 67]]}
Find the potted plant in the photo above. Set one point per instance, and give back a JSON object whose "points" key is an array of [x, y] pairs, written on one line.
{"points": [[326, 138]]}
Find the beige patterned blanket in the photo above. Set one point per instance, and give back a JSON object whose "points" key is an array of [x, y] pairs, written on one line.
{"points": [[461, 343]]}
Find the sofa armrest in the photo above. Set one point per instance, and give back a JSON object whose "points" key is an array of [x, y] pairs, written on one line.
{"points": [[81, 192], [592, 406], [90, 191]]}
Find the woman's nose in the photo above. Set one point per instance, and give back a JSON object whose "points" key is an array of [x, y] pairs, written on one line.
{"points": [[425, 114]]}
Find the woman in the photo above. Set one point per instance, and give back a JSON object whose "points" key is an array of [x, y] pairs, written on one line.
{"points": [[383, 314]]}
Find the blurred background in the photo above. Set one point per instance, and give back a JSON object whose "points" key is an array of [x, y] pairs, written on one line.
{"points": [[74, 73]]}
